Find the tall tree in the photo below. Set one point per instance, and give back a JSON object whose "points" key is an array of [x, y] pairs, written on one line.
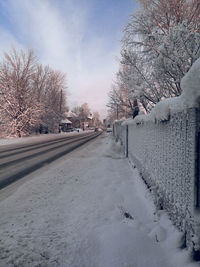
{"points": [[54, 99], [84, 111], [30, 94], [96, 120], [19, 108], [161, 41]]}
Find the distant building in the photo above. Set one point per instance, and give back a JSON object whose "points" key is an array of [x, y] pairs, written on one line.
{"points": [[75, 120], [65, 126], [88, 123]]}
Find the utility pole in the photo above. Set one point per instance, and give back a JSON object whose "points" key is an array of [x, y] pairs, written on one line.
{"points": [[117, 112], [61, 101]]}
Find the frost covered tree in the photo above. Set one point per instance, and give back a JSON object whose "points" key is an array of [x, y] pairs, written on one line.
{"points": [[19, 109], [126, 90], [120, 102], [29, 94], [96, 119], [160, 43], [83, 113], [52, 96]]}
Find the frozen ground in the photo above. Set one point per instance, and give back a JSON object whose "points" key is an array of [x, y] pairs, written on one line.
{"points": [[90, 209]]}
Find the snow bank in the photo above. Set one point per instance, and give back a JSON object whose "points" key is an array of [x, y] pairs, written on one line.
{"points": [[35, 138], [190, 98], [120, 244]]}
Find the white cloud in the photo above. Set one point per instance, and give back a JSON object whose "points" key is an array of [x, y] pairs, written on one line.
{"points": [[58, 40], [7, 40]]}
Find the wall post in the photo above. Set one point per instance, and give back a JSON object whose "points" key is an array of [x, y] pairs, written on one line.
{"points": [[127, 141]]}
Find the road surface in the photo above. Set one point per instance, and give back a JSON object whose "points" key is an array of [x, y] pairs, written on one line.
{"points": [[18, 160]]}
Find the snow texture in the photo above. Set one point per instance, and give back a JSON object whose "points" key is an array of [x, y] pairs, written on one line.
{"points": [[89, 209], [165, 154]]}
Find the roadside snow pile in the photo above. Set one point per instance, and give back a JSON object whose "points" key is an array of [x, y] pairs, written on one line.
{"points": [[33, 138], [190, 98], [120, 244]]}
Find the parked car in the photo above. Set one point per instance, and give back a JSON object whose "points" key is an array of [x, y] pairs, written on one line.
{"points": [[75, 130], [108, 130]]}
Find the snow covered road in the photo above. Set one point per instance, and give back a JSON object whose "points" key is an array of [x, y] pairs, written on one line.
{"points": [[18, 160], [89, 209]]}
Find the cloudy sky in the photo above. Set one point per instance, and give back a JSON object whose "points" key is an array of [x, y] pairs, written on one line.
{"points": [[79, 37]]}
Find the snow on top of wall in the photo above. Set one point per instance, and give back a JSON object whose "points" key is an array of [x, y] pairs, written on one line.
{"points": [[189, 98], [120, 120]]}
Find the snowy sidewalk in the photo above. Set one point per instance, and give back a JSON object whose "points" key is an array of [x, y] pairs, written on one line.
{"points": [[89, 209]]}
